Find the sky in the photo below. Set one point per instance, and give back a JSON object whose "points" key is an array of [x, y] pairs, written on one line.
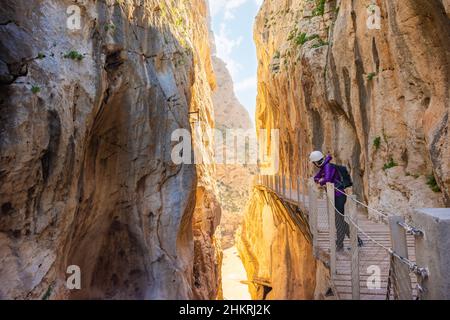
{"points": [[232, 23]]}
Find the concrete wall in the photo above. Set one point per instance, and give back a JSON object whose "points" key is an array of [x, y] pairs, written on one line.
{"points": [[433, 251]]}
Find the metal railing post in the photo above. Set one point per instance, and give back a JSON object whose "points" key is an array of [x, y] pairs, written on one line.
{"points": [[283, 186], [332, 227], [400, 247], [313, 218]]}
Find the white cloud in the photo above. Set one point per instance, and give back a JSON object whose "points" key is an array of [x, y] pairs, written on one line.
{"points": [[225, 46], [227, 7], [246, 84]]}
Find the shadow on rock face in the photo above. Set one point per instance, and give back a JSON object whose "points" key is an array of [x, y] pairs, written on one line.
{"points": [[86, 175]]}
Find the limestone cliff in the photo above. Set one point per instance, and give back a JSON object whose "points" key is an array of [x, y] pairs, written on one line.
{"points": [[376, 98], [229, 112], [86, 172], [276, 253]]}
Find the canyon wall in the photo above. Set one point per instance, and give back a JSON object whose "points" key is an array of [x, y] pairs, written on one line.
{"points": [[277, 255], [86, 173], [376, 97]]}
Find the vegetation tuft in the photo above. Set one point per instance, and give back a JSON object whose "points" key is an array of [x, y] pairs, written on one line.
{"points": [[35, 89], [320, 8], [74, 55], [432, 183], [110, 27], [371, 76], [377, 143], [389, 165], [303, 38]]}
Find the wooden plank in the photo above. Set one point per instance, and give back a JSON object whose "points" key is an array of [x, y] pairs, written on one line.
{"points": [[399, 245], [363, 297]]}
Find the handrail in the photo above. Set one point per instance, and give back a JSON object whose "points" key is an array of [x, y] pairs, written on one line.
{"points": [[278, 185]]}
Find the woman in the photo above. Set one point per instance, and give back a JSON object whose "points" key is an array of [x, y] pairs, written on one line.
{"points": [[329, 174]]}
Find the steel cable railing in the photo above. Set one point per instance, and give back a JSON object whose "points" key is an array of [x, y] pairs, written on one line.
{"points": [[399, 280], [347, 225]]}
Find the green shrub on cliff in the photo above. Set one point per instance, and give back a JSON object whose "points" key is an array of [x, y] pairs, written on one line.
{"points": [[320, 8], [47, 293], [302, 38], [110, 26], [74, 55], [35, 89], [371, 75], [432, 183], [377, 143], [391, 164]]}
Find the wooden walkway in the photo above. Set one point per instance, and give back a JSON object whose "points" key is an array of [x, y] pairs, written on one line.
{"points": [[371, 255]]}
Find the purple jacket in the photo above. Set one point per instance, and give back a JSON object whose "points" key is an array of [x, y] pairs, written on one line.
{"points": [[328, 173]]}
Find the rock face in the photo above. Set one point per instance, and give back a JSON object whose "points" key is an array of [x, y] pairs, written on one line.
{"points": [[85, 139], [234, 181], [277, 256], [229, 112], [377, 99]]}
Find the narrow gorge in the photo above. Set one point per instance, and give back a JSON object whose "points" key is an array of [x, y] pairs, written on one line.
{"points": [[94, 94], [374, 97]]}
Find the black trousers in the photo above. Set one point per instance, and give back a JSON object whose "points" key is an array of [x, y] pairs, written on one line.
{"points": [[342, 227]]}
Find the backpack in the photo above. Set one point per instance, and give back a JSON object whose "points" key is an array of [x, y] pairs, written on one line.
{"points": [[344, 177]]}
